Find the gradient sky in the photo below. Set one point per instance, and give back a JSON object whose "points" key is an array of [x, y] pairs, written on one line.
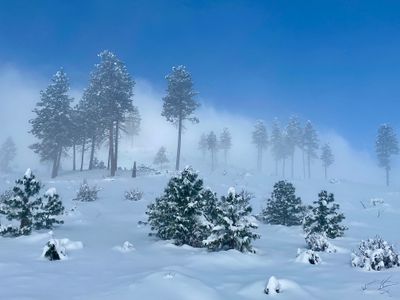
{"points": [[334, 62]]}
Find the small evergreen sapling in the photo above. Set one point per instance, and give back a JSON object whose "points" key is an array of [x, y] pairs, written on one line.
{"points": [[178, 214], [324, 217], [87, 193], [161, 157], [50, 211], [283, 208], [233, 226], [319, 242]]}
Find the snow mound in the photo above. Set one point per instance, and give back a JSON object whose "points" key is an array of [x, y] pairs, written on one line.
{"points": [[60, 246], [272, 286], [125, 248], [308, 257]]}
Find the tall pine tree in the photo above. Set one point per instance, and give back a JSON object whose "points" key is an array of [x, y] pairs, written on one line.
{"points": [[276, 143], [294, 137], [203, 144], [327, 158], [52, 123], [179, 103], [212, 145], [225, 143], [161, 157], [310, 144], [386, 146], [8, 151]]}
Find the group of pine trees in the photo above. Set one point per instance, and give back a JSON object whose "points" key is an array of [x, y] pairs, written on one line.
{"points": [[285, 140], [210, 142]]}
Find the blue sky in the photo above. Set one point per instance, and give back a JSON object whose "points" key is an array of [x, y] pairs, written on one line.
{"points": [[334, 62]]}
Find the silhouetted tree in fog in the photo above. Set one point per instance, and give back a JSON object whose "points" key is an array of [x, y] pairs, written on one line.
{"points": [[179, 103], [225, 143], [52, 123], [294, 137], [161, 157], [212, 145], [310, 144], [260, 139], [203, 144], [386, 146], [327, 158], [132, 124], [8, 151], [276, 144]]}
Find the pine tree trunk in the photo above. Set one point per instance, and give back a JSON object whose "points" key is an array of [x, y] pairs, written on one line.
{"points": [[212, 160], [309, 165], [54, 168], [74, 157], [178, 152], [116, 146], [93, 146], [226, 157], [387, 176], [283, 167], [83, 153], [259, 159], [112, 155], [292, 165]]}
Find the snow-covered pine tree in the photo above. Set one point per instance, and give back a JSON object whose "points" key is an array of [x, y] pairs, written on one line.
{"points": [[52, 123], [260, 139], [8, 151], [161, 157], [178, 214], [324, 217], [203, 144], [112, 87], [283, 207], [276, 144], [29, 209], [310, 144], [179, 103], [386, 146], [212, 146], [225, 143], [233, 226], [327, 158], [50, 211], [294, 137]]}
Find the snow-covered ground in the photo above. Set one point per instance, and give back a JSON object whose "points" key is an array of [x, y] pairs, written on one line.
{"points": [[105, 268]]}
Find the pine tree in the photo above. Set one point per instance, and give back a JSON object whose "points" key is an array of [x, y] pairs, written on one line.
{"points": [[233, 226], [212, 145], [327, 158], [8, 151], [179, 103], [112, 87], [26, 206], [324, 217], [53, 121], [260, 139], [276, 144], [294, 137], [225, 143], [161, 157], [203, 144], [178, 214], [50, 211], [386, 146], [132, 123], [283, 207], [310, 143], [286, 150]]}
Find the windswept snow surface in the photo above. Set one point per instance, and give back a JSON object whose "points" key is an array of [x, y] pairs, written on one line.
{"points": [[159, 270]]}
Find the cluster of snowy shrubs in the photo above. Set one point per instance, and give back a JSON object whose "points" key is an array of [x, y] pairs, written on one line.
{"points": [[188, 213], [133, 195], [27, 210], [375, 254]]}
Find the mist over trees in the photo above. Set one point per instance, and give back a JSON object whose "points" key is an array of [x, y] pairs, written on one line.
{"points": [[179, 103], [161, 157], [327, 158], [212, 145], [225, 143], [386, 145], [310, 144]]}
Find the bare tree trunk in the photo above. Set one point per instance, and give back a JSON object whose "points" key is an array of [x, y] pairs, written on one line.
{"points": [[178, 152], [74, 157], [83, 153], [56, 164], [93, 146]]}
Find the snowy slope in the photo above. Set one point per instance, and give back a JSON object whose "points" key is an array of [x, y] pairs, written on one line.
{"points": [[156, 269]]}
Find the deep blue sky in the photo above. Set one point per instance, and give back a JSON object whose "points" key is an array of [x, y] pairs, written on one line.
{"points": [[334, 62]]}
